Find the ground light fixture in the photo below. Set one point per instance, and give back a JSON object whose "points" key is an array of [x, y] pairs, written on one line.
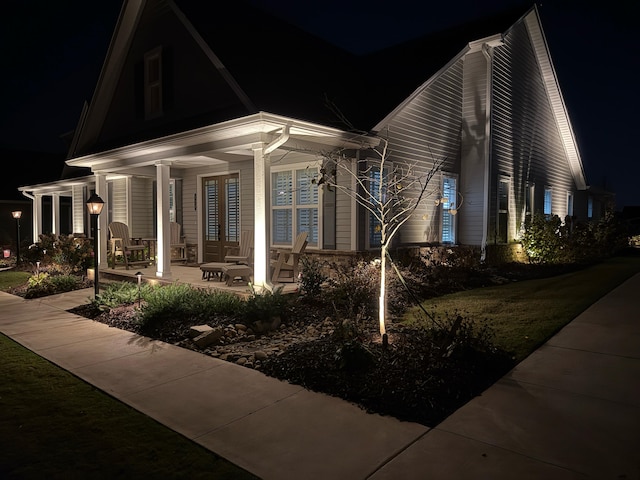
{"points": [[94, 206], [17, 214], [139, 275]]}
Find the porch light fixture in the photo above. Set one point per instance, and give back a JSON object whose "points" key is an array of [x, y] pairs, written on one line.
{"points": [[94, 206], [17, 214]]}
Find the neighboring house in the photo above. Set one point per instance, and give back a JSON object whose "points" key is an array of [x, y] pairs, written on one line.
{"points": [[219, 120]]}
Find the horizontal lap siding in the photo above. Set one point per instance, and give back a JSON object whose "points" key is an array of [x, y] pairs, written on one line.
{"points": [[526, 144], [79, 209], [426, 130], [142, 201], [344, 220], [118, 210], [474, 138]]}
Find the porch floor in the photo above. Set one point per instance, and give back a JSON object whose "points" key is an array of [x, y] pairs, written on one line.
{"points": [[190, 274]]}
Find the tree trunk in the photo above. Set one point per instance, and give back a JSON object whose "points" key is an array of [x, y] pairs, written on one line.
{"points": [[382, 301]]}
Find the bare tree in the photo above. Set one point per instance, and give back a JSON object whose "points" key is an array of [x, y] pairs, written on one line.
{"points": [[390, 192]]}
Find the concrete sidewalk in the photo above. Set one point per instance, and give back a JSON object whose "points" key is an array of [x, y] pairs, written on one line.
{"points": [[570, 410]]}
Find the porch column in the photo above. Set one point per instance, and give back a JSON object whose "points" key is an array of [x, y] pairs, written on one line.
{"points": [[55, 213], [163, 240], [262, 216], [37, 217], [103, 226]]}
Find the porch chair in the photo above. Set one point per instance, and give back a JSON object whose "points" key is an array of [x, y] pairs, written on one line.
{"points": [[243, 252], [285, 264], [123, 246], [178, 242]]}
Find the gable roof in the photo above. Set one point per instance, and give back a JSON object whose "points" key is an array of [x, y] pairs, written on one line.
{"points": [[273, 66]]}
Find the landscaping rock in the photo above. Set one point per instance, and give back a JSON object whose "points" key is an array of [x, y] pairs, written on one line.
{"points": [[209, 337]]}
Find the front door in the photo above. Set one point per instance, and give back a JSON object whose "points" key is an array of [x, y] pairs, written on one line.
{"points": [[221, 215]]}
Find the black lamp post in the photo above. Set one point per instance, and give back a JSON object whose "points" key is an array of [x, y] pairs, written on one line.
{"points": [[17, 214], [94, 205]]}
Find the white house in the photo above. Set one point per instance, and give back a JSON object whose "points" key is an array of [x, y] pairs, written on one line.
{"points": [[218, 120]]}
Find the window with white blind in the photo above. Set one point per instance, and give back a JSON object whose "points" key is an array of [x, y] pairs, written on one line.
{"points": [[375, 227], [449, 202], [570, 204], [547, 201], [294, 206], [502, 231]]}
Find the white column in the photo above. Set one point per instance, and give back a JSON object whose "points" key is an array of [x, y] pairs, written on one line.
{"points": [[55, 213], [262, 216], [163, 241], [103, 218], [37, 218]]}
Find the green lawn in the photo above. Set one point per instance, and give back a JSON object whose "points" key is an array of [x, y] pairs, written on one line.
{"points": [[525, 314], [53, 425]]}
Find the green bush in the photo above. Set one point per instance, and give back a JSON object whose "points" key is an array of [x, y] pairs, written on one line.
{"points": [[264, 307], [551, 241], [121, 293], [187, 304], [68, 254], [311, 278], [43, 284]]}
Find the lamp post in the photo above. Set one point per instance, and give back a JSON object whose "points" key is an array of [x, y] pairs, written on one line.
{"points": [[139, 275], [94, 205], [17, 214]]}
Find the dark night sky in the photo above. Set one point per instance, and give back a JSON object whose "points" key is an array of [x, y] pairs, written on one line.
{"points": [[52, 53]]}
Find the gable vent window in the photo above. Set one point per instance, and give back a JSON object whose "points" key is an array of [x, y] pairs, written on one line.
{"points": [[153, 83]]}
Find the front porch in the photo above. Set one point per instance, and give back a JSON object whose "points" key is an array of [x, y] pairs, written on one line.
{"points": [[190, 274]]}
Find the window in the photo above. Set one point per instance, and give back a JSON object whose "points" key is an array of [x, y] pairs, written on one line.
{"points": [[529, 195], [172, 201], [590, 207], [449, 205], [375, 227], [294, 209], [547, 201], [502, 233], [570, 204], [153, 83]]}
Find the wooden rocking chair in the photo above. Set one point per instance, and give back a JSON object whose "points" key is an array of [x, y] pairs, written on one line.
{"points": [[177, 242], [242, 253], [123, 246], [285, 264]]}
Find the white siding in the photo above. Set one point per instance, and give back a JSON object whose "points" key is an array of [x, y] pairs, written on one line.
{"points": [[474, 138], [78, 209], [142, 213], [526, 145], [427, 129], [118, 211]]}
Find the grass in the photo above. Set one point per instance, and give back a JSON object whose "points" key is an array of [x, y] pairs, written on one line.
{"points": [[524, 315], [53, 425], [13, 278]]}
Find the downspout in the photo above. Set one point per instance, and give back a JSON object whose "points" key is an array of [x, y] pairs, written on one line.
{"points": [[284, 136]]}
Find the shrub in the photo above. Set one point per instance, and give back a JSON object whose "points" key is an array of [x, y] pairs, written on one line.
{"points": [[311, 278], [263, 307], [187, 305], [67, 253], [354, 288], [42, 284]]}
